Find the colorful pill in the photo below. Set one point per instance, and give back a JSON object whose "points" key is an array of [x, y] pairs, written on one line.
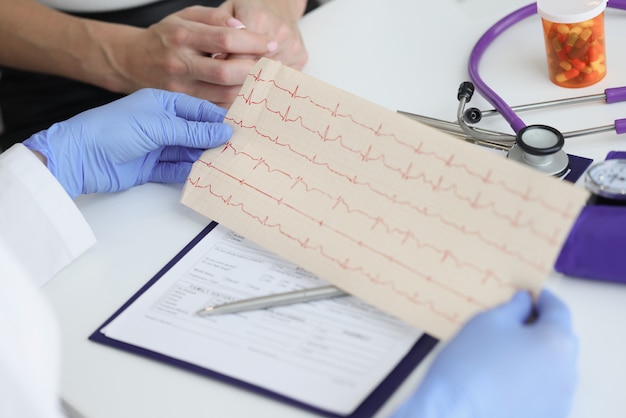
{"points": [[593, 53], [575, 51], [578, 64], [585, 34], [562, 29], [567, 75]]}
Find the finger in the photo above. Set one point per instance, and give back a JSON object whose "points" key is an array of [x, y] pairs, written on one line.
{"points": [[180, 154], [222, 96], [213, 39], [517, 309], [200, 135], [553, 311], [170, 172], [187, 107], [194, 109], [205, 135], [172, 131], [213, 16], [292, 58], [217, 31], [222, 72]]}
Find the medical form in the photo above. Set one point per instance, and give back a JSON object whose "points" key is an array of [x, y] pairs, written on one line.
{"points": [[329, 354]]}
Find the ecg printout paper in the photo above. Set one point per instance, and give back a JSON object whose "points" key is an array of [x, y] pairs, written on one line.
{"points": [[418, 223], [329, 354]]}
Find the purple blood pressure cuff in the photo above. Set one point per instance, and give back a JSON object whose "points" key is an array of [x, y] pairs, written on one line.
{"points": [[596, 245]]}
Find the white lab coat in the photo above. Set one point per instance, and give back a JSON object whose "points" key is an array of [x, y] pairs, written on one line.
{"points": [[41, 231]]}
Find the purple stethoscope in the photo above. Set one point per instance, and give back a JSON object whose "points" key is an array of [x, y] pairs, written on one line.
{"points": [[539, 146]]}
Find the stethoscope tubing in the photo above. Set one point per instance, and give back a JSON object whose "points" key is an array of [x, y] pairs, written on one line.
{"points": [[507, 112], [501, 140], [611, 95]]}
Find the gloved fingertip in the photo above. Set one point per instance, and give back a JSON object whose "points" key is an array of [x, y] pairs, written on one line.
{"points": [[546, 295], [519, 307], [219, 110], [194, 154], [522, 297], [227, 131], [219, 134], [553, 310]]}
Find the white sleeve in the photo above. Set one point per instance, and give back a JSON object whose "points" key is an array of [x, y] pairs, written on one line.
{"points": [[41, 230], [39, 222], [30, 353]]}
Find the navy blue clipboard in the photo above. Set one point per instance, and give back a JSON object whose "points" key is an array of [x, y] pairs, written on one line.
{"points": [[367, 408], [577, 167]]}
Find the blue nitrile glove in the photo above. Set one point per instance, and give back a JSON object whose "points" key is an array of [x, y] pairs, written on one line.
{"points": [[148, 136], [497, 366]]}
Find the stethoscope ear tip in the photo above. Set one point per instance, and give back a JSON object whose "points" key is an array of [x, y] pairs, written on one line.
{"points": [[466, 91], [472, 115]]}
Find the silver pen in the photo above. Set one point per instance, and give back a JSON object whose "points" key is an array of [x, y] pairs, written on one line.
{"points": [[273, 300]]}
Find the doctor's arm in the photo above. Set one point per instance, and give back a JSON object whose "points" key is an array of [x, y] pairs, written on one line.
{"points": [[151, 135], [498, 365]]}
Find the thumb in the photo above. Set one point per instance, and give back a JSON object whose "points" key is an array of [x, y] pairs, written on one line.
{"points": [[189, 107], [208, 135], [194, 109], [552, 311], [517, 309]]}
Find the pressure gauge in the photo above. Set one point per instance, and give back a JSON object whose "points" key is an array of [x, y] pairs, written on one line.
{"points": [[607, 179]]}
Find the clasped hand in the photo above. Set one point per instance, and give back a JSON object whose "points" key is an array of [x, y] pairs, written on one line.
{"points": [[149, 136], [177, 49]]}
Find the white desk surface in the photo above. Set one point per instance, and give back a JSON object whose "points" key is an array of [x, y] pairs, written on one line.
{"points": [[405, 55]]}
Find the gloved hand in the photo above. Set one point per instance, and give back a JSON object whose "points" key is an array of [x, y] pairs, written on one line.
{"points": [[148, 136], [498, 366]]}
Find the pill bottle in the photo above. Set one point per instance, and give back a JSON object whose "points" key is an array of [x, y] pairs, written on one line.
{"points": [[573, 31]]}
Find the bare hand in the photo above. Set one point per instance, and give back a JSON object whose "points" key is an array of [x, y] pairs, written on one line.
{"points": [[175, 54], [278, 19]]}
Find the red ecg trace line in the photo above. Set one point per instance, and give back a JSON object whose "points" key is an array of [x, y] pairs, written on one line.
{"points": [[369, 155], [523, 195], [445, 254], [515, 221], [420, 210], [346, 265]]}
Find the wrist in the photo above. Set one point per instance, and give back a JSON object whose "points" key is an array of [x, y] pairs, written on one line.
{"points": [[65, 168], [108, 61], [41, 157], [298, 8]]}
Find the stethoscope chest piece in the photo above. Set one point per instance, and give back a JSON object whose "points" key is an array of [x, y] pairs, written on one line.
{"points": [[540, 147]]}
